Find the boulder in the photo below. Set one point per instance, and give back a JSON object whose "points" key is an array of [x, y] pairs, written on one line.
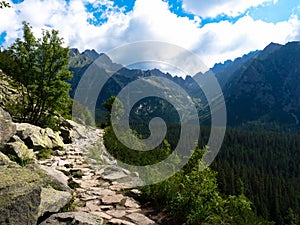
{"points": [[73, 130], [20, 195], [38, 138], [20, 150], [7, 128], [73, 218], [140, 219], [56, 140], [67, 135], [52, 200], [4, 160], [114, 173], [56, 178]]}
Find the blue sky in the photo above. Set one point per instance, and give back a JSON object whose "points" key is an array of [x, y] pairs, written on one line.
{"points": [[216, 30]]}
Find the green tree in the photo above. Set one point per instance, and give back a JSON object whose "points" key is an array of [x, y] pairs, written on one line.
{"points": [[291, 218], [4, 4], [43, 71], [108, 106]]}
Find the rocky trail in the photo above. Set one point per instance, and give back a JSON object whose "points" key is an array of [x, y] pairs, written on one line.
{"points": [[99, 184]]}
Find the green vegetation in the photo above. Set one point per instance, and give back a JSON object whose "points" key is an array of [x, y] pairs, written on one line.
{"points": [[44, 154], [4, 4], [21, 161], [134, 157], [191, 195], [81, 114], [40, 66], [268, 165], [70, 207], [108, 106]]}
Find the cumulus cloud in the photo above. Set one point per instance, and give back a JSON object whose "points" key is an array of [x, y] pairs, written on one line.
{"points": [[149, 20], [224, 40], [213, 8]]}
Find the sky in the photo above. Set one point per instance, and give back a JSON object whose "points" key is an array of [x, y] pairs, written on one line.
{"points": [[216, 30]]}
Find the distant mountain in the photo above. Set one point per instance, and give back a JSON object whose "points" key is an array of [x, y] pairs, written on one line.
{"points": [[143, 110], [266, 89], [225, 71], [260, 88]]}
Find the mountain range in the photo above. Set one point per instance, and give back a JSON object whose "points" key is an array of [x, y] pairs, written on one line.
{"points": [[261, 88]]}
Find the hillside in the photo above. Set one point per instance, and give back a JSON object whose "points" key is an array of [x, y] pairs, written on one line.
{"points": [[260, 87], [265, 90]]}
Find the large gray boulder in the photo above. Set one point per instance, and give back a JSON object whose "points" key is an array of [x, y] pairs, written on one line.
{"points": [[7, 128], [4, 160], [26, 193], [71, 130], [20, 195], [38, 138], [53, 200], [73, 218], [56, 178], [19, 150]]}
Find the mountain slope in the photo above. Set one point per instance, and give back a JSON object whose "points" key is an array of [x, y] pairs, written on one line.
{"points": [[260, 88], [267, 90]]}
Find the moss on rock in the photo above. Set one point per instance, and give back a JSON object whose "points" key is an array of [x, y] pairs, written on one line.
{"points": [[20, 195]]}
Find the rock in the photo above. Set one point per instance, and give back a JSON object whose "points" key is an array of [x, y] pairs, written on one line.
{"points": [[57, 178], [120, 222], [73, 218], [114, 173], [72, 130], [67, 135], [114, 199], [7, 128], [4, 160], [140, 219], [53, 200], [20, 195], [56, 140], [102, 215], [58, 153], [131, 203], [93, 205], [38, 138], [15, 138], [101, 191], [19, 150], [116, 213]]}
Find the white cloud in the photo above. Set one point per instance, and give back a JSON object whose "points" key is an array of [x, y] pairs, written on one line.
{"points": [[221, 41], [213, 8], [149, 20]]}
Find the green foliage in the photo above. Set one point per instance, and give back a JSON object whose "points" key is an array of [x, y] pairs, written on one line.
{"points": [[41, 66], [81, 114], [4, 4], [108, 106], [72, 184], [22, 162], [191, 195], [267, 163], [44, 154], [134, 157], [70, 207], [291, 218]]}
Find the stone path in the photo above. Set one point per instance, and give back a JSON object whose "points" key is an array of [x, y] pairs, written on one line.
{"points": [[98, 182]]}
